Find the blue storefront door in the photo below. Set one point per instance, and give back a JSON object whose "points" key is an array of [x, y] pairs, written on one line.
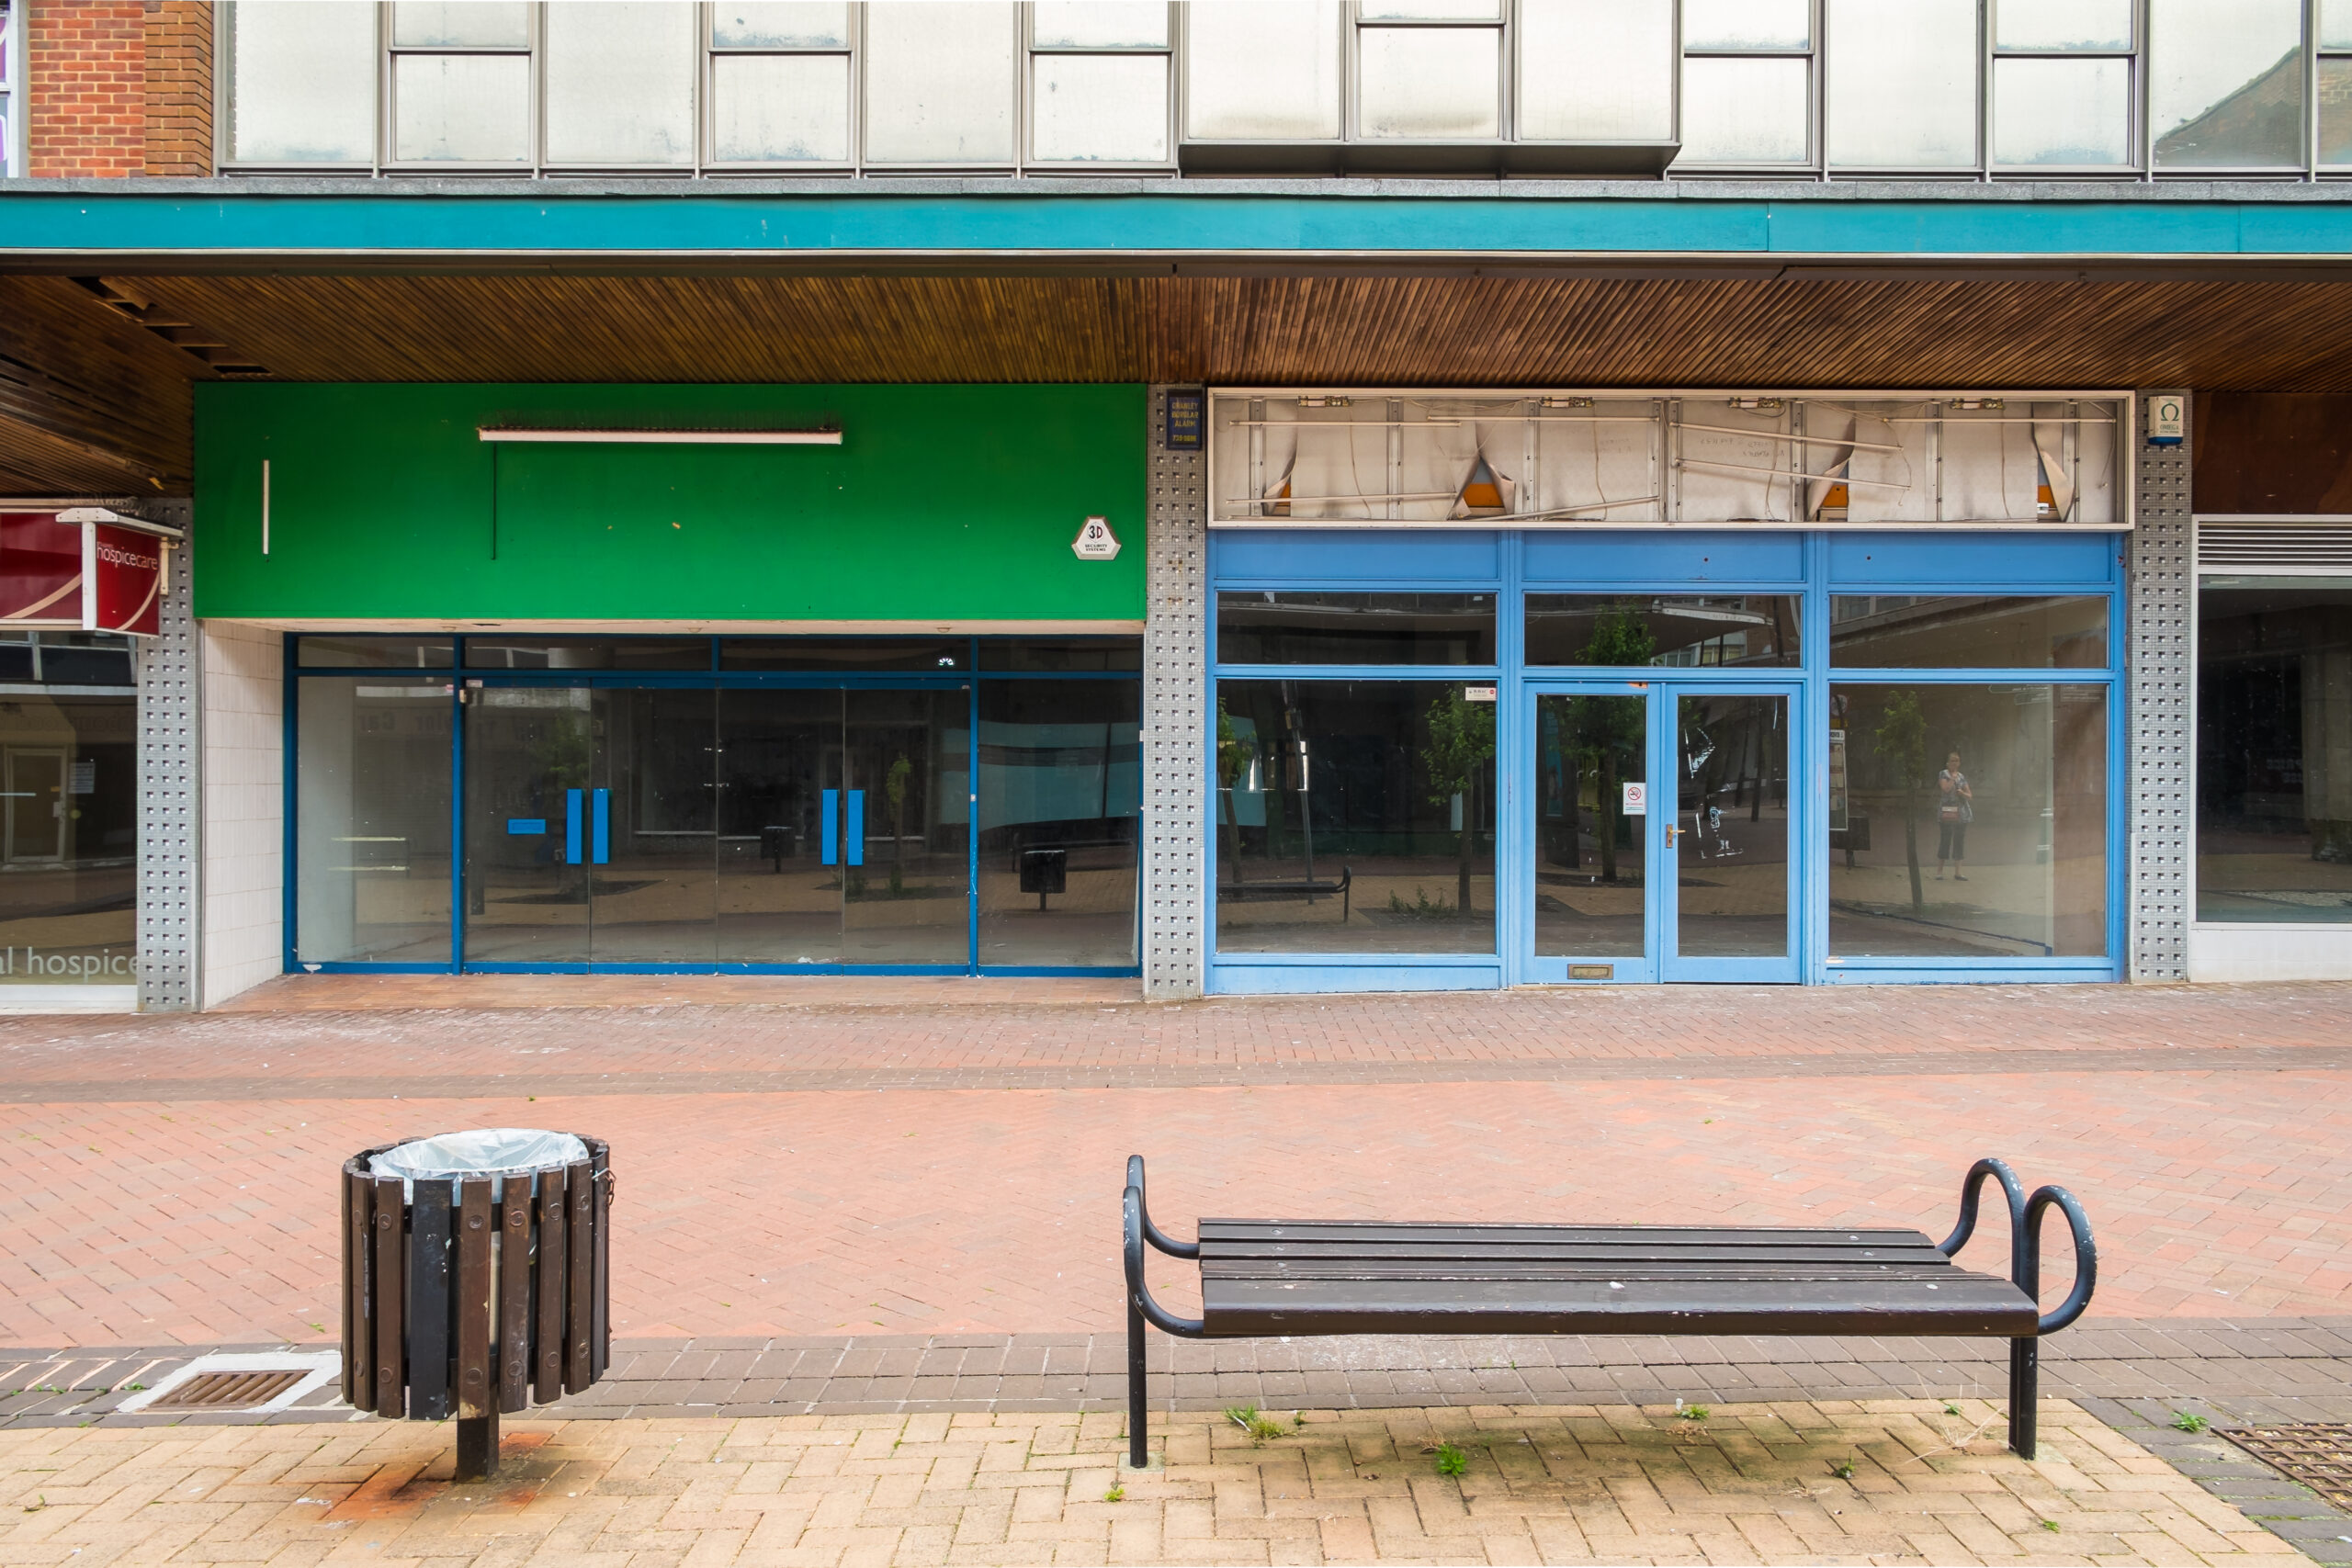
{"points": [[1730, 907], [1663, 833]]}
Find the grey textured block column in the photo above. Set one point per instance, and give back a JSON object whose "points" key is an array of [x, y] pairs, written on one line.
{"points": [[169, 758], [2162, 580], [1175, 717]]}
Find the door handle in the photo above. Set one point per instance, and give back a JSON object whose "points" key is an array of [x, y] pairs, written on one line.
{"points": [[853, 831], [829, 830], [572, 826], [601, 837], [1670, 831]]}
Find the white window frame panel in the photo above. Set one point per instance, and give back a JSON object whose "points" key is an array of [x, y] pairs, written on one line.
{"points": [[706, 161], [2136, 132], [1171, 50], [863, 102], [1816, 56], [2315, 53], [1352, 132], [1983, 108], [697, 79], [2146, 143], [387, 110]]}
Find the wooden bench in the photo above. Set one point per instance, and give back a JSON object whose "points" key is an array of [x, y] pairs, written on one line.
{"points": [[1268, 1277], [1307, 889]]}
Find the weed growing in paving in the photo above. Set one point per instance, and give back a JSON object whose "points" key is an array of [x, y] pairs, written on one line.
{"points": [[1248, 1419], [1690, 1412], [1949, 1408], [1843, 1470], [1451, 1460], [2185, 1421], [1116, 1495]]}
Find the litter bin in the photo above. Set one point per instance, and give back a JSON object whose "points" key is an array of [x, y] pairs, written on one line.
{"points": [[476, 1271]]}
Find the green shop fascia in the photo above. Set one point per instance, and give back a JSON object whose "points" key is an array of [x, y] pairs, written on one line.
{"points": [[613, 677]]}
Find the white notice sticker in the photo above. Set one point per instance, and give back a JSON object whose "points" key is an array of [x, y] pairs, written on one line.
{"points": [[1095, 541], [1637, 798], [1477, 693]]}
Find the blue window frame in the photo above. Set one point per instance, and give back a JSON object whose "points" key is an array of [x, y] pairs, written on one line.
{"points": [[2061, 713]]}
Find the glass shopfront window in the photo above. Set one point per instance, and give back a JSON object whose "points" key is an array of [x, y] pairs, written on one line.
{"points": [[1728, 631], [1354, 817], [1355, 629], [2274, 751], [1967, 631], [69, 810], [372, 813], [1060, 795], [696, 802], [1968, 821]]}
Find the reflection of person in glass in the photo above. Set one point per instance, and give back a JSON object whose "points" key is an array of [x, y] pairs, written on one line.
{"points": [[1955, 809]]}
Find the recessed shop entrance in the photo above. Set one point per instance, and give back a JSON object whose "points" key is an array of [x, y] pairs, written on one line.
{"points": [[1663, 826]]}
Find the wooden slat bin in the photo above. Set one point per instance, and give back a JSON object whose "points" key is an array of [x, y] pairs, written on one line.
{"points": [[473, 1296]]}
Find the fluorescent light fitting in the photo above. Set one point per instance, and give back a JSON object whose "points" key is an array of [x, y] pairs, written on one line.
{"points": [[666, 437]]}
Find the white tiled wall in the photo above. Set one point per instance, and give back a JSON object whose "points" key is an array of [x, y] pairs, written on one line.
{"points": [[244, 808]]}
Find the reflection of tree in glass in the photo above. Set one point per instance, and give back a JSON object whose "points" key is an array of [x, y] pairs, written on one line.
{"points": [[1461, 742], [1608, 730], [1901, 742], [894, 790], [562, 751], [1234, 751]]}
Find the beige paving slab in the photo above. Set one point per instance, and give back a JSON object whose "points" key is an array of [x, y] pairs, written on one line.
{"points": [[1884, 1481]]}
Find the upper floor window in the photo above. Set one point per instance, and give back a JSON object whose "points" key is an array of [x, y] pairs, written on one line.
{"points": [[9, 162], [1559, 86], [656, 86], [1813, 88]]}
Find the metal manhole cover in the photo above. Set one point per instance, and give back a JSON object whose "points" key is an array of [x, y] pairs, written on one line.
{"points": [[227, 1391], [2318, 1454]]}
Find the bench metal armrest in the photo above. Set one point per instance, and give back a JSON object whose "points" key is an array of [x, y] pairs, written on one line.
{"points": [[1152, 1233], [1138, 1295], [1972, 1188], [2086, 1256]]}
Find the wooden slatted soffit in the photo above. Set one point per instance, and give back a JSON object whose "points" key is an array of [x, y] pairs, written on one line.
{"points": [[129, 299]]}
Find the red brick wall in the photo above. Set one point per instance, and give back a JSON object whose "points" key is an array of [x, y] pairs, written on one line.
{"points": [[86, 77], [118, 87], [179, 87]]}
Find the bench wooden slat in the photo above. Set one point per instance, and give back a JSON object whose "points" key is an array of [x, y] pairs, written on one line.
{"points": [[1959, 1303], [1401, 1252], [1505, 1269], [1248, 1232]]}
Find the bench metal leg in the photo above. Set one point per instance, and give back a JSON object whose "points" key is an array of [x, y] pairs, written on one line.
{"points": [[1139, 1434], [2025, 1394]]}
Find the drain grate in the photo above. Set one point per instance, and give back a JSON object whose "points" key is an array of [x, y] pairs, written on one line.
{"points": [[227, 1391], [2318, 1454]]}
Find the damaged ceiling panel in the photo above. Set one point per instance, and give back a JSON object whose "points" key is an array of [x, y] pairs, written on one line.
{"points": [[1392, 459]]}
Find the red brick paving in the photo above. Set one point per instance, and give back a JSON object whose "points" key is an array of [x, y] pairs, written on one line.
{"points": [[2216, 1193], [865, 1023]]}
